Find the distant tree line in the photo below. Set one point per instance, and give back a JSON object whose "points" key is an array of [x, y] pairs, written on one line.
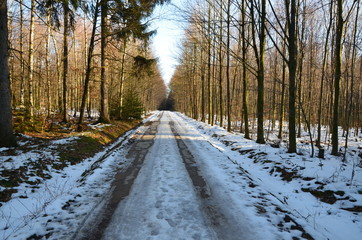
{"points": [[270, 64], [72, 57]]}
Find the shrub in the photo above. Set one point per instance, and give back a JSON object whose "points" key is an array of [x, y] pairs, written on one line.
{"points": [[132, 106]]}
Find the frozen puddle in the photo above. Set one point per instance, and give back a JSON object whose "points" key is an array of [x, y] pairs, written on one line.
{"points": [[162, 203]]}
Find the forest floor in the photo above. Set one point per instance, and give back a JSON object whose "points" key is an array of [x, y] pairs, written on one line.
{"points": [[47, 144], [195, 181]]}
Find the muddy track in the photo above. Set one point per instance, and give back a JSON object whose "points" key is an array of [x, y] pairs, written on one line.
{"points": [[121, 186]]}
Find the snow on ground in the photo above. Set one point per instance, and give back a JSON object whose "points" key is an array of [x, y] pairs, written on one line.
{"points": [[56, 207], [290, 177], [257, 183], [162, 203]]}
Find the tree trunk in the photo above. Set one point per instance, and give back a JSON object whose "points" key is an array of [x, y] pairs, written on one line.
{"points": [[275, 77], [221, 113], [7, 138], [281, 115], [202, 84], [337, 76], [121, 84], [324, 65], [300, 64], [21, 44], [65, 61], [88, 69], [349, 103], [245, 80], [30, 102], [193, 84], [213, 80], [292, 65], [47, 47], [228, 97], [209, 89], [104, 114], [58, 102], [260, 72]]}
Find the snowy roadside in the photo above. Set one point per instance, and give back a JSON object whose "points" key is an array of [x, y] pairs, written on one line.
{"points": [[321, 195], [57, 206], [264, 185]]}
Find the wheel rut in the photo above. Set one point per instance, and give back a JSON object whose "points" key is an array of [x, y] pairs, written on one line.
{"points": [[221, 225], [121, 185]]}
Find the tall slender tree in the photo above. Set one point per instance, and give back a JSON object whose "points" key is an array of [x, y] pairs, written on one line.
{"points": [[228, 95], [324, 66], [221, 108], [88, 66], [65, 59], [259, 51], [291, 11], [30, 102], [209, 83], [104, 113], [21, 44], [337, 75], [245, 111]]}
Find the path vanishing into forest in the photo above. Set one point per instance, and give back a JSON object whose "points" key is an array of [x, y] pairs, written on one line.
{"points": [[179, 187], [165, 194]]}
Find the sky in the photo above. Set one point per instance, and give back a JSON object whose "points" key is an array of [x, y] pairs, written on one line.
{"points": [[166, 44]]}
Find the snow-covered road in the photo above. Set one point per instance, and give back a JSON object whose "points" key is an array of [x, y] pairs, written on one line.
{"points": [[175, 195], [162, 203]]}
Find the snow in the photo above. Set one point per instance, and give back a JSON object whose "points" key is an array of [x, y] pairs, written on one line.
{"points": [[64, 141], [98, 125], [162, 202], [315, 216], [245, 187], [43, 209]]}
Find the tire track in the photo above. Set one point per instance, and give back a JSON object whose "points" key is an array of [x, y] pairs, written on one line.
{"points": [[93, 228], [222, 226]]}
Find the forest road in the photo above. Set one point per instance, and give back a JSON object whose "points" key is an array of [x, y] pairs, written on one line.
{"points": [[164, 194]]}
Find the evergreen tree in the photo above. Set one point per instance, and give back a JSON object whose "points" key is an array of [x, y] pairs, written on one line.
{"points": [[132, 107], [126, 21]]}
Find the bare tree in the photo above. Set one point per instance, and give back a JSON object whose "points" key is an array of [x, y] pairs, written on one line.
{"points": [[337, 75], [244, 77], [292, 66], [324, 65], [228, 97], [30, 102], [259, 51]]}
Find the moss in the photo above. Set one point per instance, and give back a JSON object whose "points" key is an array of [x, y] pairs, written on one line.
{"points": [[80, 149]]}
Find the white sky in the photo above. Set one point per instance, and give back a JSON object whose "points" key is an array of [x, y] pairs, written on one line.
{"points": [[170, 32]]}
